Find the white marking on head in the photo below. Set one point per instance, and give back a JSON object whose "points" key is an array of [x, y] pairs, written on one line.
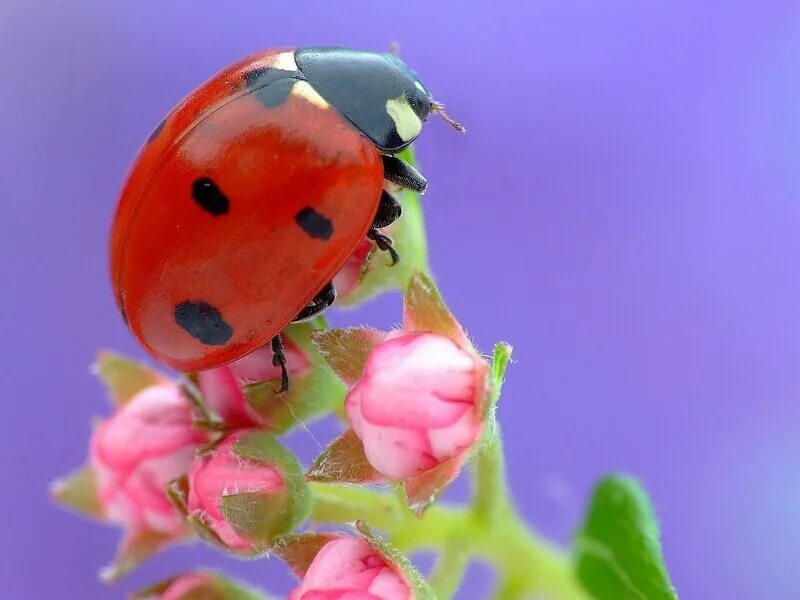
{"points": [[305, 90], [405, 119], [420, 87], [285, 61]]}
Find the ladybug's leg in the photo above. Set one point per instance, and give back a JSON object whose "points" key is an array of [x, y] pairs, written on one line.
{"points": [[384, 242], [403, 174], [279, 360], [389, 211], [321, 301]]}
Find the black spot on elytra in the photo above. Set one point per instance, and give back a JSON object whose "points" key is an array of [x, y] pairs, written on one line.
{"points": [[208, 195], [271, 86], [157, 130], [314, 224], [203, 322]]}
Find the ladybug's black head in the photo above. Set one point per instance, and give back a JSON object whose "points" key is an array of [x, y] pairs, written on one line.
{"points": [[377, 92]]}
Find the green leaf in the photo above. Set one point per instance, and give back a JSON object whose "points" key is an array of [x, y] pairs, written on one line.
{"points": [[408, 235], [424, 310], [123, 377], [346, 350], [78, 491], [311, 395], [344, 461], [420, 588], [618, 550]]}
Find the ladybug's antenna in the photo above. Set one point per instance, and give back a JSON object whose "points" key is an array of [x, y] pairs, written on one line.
{"points": [[438, 108]]}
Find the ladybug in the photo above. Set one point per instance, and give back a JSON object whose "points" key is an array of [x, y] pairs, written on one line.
{"points": [[251, 194]]}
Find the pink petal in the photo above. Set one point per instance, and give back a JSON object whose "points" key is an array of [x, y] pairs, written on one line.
{"points": [[346, 280], [185, 584], [397, 453], [352, 408], [450, 441], [388, 585], [338, 595], [224, 397], [417, 381], [155, 422], [224, 473], [342, 564]]}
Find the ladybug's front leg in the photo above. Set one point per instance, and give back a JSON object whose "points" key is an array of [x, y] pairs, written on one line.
{"points": [[403, 174]]}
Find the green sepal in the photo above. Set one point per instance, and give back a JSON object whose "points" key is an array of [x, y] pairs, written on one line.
{"points": [[501, 357], [236, 590], [408, 235], [124, 377], [178, 493], [618, 552], [312, 394], [424, 310], [215, 587], [299, 550], [419, 587], [423, 490], [261, 517], [78, 491], [344, 461], [203, 417], [346, 350], [135, 549]]}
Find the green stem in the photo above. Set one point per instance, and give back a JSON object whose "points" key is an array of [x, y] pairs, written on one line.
{"points": [[450, 567], [490, 496], [516, 552]]}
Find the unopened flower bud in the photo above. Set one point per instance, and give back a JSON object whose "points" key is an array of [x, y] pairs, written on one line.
{"points": [[417, 404], [351, 568], [245, 491]]}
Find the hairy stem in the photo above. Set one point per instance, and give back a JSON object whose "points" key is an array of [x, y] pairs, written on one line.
{"points": [[490, 496], [450, 567]]}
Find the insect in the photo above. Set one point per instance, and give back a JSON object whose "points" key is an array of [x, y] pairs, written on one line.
{"points": [[250, 195]]}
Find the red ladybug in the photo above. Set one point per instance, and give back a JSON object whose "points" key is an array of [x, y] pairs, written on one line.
{"points": [[251, 194]]}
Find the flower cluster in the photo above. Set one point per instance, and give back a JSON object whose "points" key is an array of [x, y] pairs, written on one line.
{"points": [[199, 456]]}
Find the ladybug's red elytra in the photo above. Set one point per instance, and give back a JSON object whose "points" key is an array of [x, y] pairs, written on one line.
{"points": [[251, 194]]}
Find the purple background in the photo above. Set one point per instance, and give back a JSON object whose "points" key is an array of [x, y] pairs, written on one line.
{"points": [[625, 210]]}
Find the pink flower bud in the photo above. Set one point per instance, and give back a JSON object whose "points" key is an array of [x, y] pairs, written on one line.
{"points": [[222, 475], [417, 404], [199, 585], [137, 452], [349, 568], [222, 387]]}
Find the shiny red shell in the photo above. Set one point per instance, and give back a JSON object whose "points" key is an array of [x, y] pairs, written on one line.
{"points": [[254, 267]]}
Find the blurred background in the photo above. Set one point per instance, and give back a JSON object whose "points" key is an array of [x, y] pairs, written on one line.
{"points": [[625, 210]]}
